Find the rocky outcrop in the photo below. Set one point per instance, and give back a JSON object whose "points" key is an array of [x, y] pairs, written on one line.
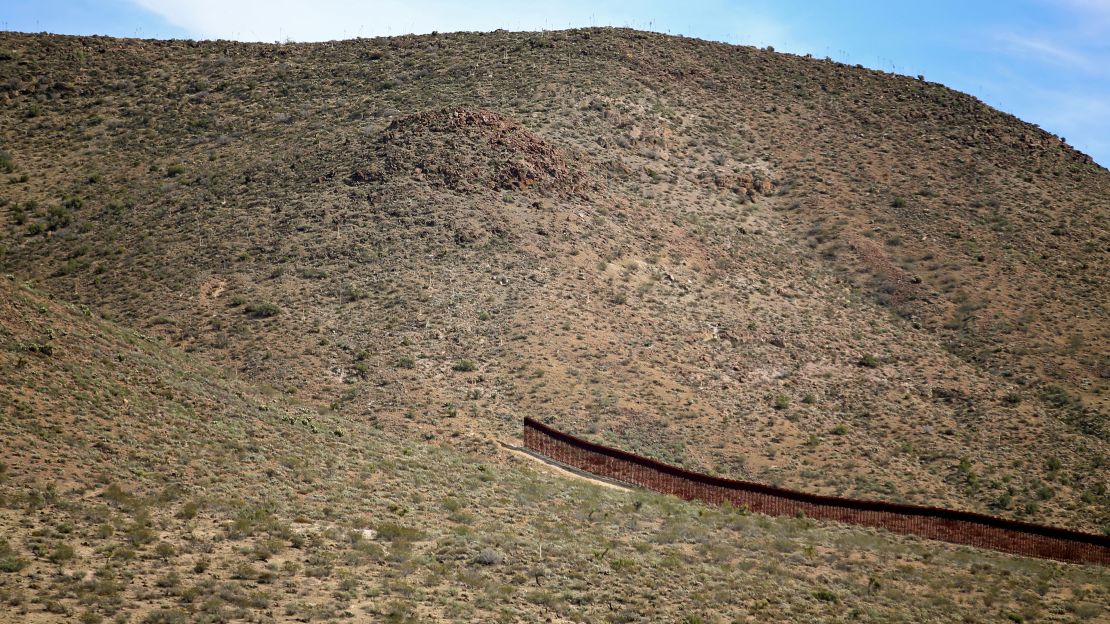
{"points": [[471, 150]]}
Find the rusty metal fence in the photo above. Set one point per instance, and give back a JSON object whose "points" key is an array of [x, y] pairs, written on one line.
{"points": [[959, 527]]}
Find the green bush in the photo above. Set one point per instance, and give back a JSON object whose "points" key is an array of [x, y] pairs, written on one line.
{"points": [[9, 560], [165, 551], [868, 361], [1056, 396], [61, 553], [260, 310], [189, 510], [398, 533], [465, 366], [57, 217]]}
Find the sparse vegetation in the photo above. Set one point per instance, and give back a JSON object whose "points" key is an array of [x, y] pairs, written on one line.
{"points": [[676, 247]]}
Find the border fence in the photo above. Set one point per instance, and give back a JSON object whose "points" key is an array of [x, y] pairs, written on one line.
{"points": [[958, 527]]}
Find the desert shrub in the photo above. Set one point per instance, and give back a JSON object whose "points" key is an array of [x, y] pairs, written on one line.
{"points": [[465, 366], [172, 579], [260, 309], [868, 361], [488, 556], [264, 549], [1085, 610], [362, 369], [350, 294], [825, 595], [398, 533], [120, 497], [166, 615], [9, 560], [141, 532], [248, 520], [53, 606], [1045, 491], [61, 553], [19, 214], [1056, 396], [165, 551], [189, 510], [401, 613], [58, 217]]}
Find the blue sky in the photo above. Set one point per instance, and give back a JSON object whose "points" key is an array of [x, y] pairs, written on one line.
{"points": [[1046, 61]]}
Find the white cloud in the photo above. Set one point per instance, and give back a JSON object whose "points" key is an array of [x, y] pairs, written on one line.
{"points": [[1087, 20], [1073, 112], [1095, 8], [1044, 50]]}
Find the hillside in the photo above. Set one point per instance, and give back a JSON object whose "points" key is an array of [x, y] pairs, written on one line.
{"points": [[756, 264], [141, 485]]}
